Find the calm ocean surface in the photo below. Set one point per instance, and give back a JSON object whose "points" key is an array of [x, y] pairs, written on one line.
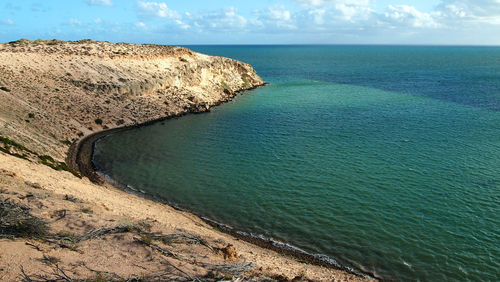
{"points": [[386, 159]]}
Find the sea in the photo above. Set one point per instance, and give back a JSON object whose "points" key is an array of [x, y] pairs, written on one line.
{"points": [[383, 159]]}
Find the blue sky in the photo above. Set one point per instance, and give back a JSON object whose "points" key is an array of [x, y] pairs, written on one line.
{"points": [[455, 22]]}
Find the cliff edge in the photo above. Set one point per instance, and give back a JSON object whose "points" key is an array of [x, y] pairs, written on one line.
{"points": [[53, 93], [57, 95]]}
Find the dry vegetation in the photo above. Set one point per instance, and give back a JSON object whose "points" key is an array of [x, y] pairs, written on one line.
{"points": [[54, 93], [56, 225]]}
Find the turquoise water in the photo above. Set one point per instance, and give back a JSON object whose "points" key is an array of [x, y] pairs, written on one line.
{"points": [[386, 159]]}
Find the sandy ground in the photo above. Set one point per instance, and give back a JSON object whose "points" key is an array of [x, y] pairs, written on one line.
{"points": [[55, 226], [74, 207], [55, 93]]}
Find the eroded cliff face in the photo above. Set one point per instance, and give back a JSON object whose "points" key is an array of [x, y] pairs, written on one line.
{"points": [[53, 93]]}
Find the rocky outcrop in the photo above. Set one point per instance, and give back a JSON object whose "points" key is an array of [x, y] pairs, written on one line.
{"points": [[54, 93]]}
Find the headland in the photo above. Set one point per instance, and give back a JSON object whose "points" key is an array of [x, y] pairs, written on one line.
{"points": [[57, 97]]}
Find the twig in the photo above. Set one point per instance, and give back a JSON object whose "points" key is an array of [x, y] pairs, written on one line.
{"points": [[25, 276], [164, 252], [67, 278], [156, 247], [58, 273], [34, 246], [60, 214], [171, 237], [104, 231], [233, 269], [105, 272]]}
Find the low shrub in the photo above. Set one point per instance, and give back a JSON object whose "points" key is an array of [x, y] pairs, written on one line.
{"points": [[17, 221]]}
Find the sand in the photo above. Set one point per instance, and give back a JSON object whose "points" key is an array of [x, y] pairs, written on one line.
{"points": [[96, 231]]}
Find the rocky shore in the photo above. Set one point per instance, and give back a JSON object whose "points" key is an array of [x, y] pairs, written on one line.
{"points": [[55, 223]]}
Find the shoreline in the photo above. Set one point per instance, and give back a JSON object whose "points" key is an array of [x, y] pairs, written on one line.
{"points": [[80, 158], [78, 92]]}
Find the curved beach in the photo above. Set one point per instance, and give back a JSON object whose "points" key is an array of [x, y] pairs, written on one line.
{"points": [[81, 155], [59, 98]]}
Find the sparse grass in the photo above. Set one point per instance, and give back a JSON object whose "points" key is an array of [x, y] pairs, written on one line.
{"points": [[98, 121], [182, 59], [246, 84], [23, 156], [87, 210], [146, 238], [225, 86], [50, 162], [66, 142], [54, 42], [33, 184], [6, 144], [72, 198], [50, 260], [17, 221], [31, 115], [9, 143]]}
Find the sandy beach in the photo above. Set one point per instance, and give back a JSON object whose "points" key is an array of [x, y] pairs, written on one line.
{"points": [[57, 224]]}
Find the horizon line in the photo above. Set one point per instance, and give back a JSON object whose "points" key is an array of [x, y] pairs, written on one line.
{"points": [[289, 44]]}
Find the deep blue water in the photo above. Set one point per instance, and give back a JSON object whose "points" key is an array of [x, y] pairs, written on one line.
{"points": [[384, 158]]}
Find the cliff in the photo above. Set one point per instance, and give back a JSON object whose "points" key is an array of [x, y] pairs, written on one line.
{"points": [[54, 226], [54, 93]]}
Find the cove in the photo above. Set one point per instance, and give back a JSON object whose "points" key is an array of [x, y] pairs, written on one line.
{"points": [[393, 171]]}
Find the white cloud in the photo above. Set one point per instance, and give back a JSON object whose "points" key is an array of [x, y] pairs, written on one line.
{"points": [[318, 16], [460, 12], [404, 15], [279, 13], [354, 13], [99, 2], [226, 19], [157, 9], [274, 18], [324, 14], [323, 19], [182, 25], [75, 22], [97, 20], [479, 8], [323, 3], [7, 22]]}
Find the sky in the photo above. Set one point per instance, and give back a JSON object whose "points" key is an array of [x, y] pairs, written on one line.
{"points": [[185, 22]]}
